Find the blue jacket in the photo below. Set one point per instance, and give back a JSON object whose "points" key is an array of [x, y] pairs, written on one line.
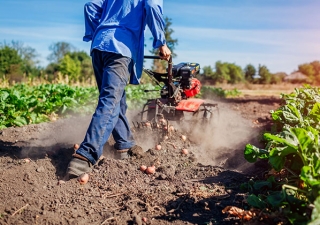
{"points": [[118, 26]]}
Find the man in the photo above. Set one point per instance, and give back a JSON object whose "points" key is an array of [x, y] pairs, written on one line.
{"points": [[116, 29]]}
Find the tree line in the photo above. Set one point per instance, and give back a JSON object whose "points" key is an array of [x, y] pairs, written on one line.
{"points": [[224, 72], [19, 62]]}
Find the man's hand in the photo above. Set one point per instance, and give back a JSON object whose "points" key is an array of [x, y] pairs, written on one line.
{"points": [[165, 52]]}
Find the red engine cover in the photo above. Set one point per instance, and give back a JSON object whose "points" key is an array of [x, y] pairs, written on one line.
{"points": [[194, 89]]}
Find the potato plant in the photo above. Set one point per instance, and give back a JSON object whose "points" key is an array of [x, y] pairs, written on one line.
{"points": [[293, 148], [22, 104]]}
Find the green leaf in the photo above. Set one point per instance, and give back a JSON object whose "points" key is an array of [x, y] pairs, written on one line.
{"points": [[315, 217], [282, 151], [256, 202], [290, 113], [276, 198], [258, 185], [252, 153], [287, 139], [304, 138], [276, 115], [20, 121], [308, 176], [315, 111], [4, 95], [277, 162]]}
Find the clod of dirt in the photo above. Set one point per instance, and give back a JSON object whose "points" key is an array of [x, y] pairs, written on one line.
{"points": [[40, 169], [137, 219], [136, 151], [168, 171]]}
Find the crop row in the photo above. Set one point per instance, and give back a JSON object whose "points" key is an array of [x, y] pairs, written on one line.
{"points": [[23, 104], [293, 151]]}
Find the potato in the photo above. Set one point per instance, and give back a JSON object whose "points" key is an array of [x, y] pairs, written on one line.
{"points": [[76, 147], [184, 137], [185, 151], [143, 168], [83, 178], [151, 170]]}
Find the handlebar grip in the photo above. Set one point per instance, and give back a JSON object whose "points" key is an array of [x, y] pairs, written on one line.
{"points": [[155, 57], [152, 57]]}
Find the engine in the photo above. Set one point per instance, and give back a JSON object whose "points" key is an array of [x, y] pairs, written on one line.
{"points": [[184, 81], [185, 72]]}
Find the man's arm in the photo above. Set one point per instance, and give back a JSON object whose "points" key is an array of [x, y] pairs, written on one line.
{"points": [[92, 15], [156, 24]]}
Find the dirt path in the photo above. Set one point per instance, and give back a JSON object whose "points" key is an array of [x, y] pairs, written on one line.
{"points": [[186, 189]]}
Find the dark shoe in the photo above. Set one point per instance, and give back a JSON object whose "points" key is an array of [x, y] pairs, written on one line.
{"points": [[77, 166], [136, 151], [121, 154]]}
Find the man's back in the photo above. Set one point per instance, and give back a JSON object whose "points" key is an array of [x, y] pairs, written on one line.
{"points": [[118, 26]]}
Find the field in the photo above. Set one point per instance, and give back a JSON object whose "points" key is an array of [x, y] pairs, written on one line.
{"points": [[186, 189]]}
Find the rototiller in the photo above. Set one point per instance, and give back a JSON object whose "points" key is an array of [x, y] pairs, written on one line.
{"points": [[178, 86]]}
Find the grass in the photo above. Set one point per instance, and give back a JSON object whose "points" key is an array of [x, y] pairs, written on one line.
{"points": [[261, 89], [243, 88]]}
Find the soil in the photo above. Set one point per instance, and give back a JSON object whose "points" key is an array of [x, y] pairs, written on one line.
{"points": [[191, 188]]}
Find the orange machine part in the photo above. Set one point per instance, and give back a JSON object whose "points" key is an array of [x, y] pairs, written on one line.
{"points": [[194, 89], [189, 105]]}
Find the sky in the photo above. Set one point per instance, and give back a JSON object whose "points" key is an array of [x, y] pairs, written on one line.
{"points": [[279, 34]]}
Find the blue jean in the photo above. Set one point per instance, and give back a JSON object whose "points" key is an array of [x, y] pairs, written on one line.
{"points": [[112, 72]]}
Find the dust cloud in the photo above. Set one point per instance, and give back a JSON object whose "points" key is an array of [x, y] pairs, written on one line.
{"points": [[53, 136], [219, 144], [222, 142]]}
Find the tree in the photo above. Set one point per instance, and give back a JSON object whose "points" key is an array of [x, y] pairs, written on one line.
{"points": [[51, 70], [70, 67], [207, 74], [316, 67], [207, 71], [222, 73], [76, 64], [249, 73], [160, 65], [311, 70], [59, 50], [85, 64], [29, 58], [171, 43], [235, 73], [278, 78], [18, 58], [308, 70], [265, 75], [9, 58]]}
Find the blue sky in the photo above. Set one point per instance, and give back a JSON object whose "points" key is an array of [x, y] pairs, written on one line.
{"points": [[280, 34]]}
